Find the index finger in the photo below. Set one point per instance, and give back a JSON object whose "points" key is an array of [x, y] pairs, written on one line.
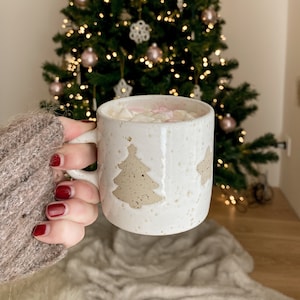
{"points": [[73, 128]]}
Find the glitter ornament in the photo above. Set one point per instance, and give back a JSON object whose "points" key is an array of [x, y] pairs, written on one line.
{"points": [[81, 3], [122, 89], [56, 88], [209, 16], [154, 53], [89, 58], [139, 32], [227, 123]]}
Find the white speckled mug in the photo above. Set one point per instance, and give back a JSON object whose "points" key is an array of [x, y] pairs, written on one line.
{"points": [[155, 178]]}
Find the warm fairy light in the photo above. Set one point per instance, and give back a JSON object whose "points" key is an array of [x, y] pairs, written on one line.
{"points": [[184, 28], [114, 54], [241, 139], [191, 78], [218, 52], [222, 61], [142, 59], [81, 30], [159, 18], [108, 57], [177, 76], [130, 56], [70, 33], [173, 92], [88, 113], [78, 97], [223, 38], [88, 35]]}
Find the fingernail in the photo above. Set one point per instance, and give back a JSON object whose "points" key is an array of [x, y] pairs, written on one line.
{"points": [[56, 209], [63, 192], [40, 229], [55, 160]]}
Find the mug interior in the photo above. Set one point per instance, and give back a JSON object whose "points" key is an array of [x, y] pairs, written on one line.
{"points": [[154, 102]]}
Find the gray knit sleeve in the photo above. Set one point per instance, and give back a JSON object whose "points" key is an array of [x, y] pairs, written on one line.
{"points": [[26, 186]]}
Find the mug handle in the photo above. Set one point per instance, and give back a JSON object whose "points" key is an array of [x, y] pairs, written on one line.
{"points": [[90, 176]]}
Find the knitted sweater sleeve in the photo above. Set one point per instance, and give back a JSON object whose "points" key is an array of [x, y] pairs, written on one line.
{"points": [[26, 186]]}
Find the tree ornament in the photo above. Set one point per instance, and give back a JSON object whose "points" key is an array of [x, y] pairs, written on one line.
{"points": [[81, 3], [196, 93], [89, 58], [125, 15], [56, 88], [227, 123], [122, 89], [154, 53], [139, 32], [209, 16], [180, 5]]}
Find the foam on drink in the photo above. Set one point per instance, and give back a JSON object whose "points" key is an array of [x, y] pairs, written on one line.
{"points": [[157, 115]]}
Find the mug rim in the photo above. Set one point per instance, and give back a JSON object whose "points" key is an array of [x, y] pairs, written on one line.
{"points": [[209, 109]]}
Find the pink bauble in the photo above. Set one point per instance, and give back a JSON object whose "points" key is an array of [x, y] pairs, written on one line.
{"points": [[81, 3], [56, 88], [227, 123], [89, 58], [209, 16], [154, 53]]}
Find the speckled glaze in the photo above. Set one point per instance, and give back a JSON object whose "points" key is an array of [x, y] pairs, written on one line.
{"points": [[154, 178]]}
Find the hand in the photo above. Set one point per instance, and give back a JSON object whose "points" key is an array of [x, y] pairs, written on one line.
{"points": [[77, 200]]}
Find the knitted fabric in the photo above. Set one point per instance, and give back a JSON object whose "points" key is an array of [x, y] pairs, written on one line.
{"points": [[26, 186]]}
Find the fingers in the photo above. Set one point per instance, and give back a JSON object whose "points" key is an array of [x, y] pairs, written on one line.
{"points": [[74, 156], [77, 189], [77, 207], [73, 128], [63, 232]]}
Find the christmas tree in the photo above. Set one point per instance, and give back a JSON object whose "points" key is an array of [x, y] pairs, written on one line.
{"points": [[116, 48]]}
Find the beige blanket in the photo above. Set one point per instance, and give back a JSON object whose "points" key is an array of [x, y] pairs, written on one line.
{"points": [[205, 263]]}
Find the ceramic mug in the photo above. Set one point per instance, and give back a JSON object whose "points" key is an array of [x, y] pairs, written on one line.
{"points": [[154, 175]]}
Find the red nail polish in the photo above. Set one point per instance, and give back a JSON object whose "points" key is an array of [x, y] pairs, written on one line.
{"points": [[63, 192], [55, 160], [56, 209], [39, 229]]}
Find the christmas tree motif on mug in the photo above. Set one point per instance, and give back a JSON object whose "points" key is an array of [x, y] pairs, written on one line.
{"points": [[135, 186], [204, 168]]}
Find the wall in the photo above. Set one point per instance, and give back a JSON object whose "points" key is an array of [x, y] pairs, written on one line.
{"points": [[26, 30], [256, 35], [289, 182]]}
